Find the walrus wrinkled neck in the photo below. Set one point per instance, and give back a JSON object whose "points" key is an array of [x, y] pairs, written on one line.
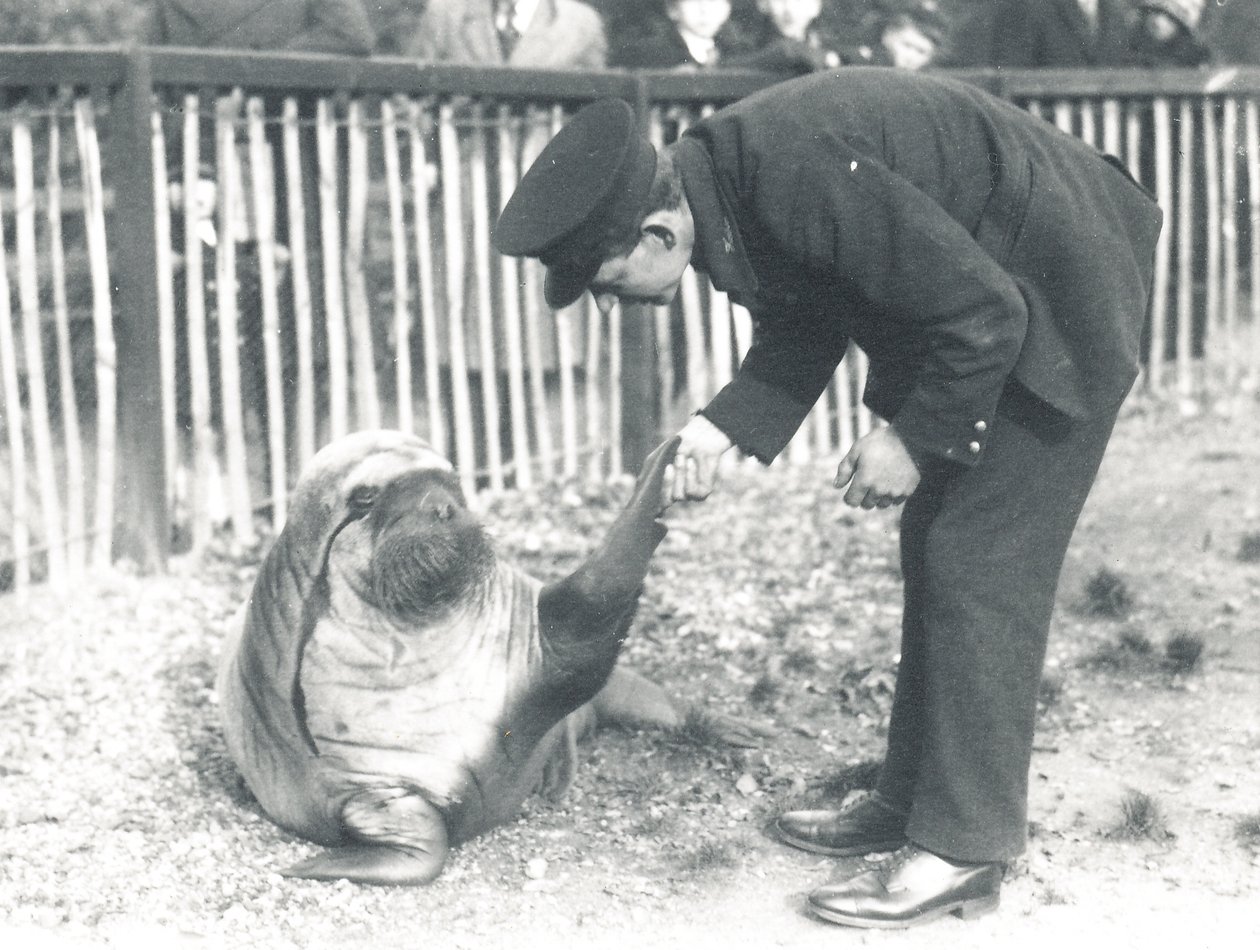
{"points": [[417, 577]]}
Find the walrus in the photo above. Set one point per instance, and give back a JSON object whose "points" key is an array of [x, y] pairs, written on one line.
{"points": [[394, 686]]}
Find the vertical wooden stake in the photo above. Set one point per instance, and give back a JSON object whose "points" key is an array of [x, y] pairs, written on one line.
{"points": [[424, 265], [12, 418], [143, 528], [1163, 251], [165, 273], [398, 256], [334, 295], [33, 340], [103, 331], [1212, 176], [366, 397], [76, 507], [480, 209], [1185, 249], [197, 219], [1229, 231], [1253, 200], [226, 289], [262, 178], [453, 235], [510, 289], [300, 276]]}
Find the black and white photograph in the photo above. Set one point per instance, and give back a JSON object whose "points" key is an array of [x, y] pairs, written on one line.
{"points": [[600, 474]]}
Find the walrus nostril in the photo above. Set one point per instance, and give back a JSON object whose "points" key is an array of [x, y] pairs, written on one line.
{"points": [[444, 512]]}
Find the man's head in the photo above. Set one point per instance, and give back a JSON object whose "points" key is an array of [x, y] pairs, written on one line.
{"points": [[699, 17], [910, 41], [1165, 19], [791, 18], [600, 208]]}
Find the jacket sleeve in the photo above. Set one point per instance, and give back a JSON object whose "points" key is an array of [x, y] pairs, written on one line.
{"points": [[788, 366], [854, 220]]}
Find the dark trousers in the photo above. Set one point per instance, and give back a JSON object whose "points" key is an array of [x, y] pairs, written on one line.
{"points": [[981, 550]]}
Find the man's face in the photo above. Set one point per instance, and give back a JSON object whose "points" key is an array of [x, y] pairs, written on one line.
{"points": [[652, 271], [908, 47], [701, 17], [791, 17]]}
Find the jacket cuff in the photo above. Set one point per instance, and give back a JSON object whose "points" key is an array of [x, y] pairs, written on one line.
{"points": [[942, 434], [759, 419]]}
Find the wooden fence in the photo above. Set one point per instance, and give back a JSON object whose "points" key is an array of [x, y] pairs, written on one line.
{"points": [[215, 263]]}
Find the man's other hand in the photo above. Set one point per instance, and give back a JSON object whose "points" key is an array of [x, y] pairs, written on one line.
{"points": [[879, 471], [695, 469]]}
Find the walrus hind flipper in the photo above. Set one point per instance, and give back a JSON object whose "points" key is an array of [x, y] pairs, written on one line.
{"points": [[401, 839], [370, 864]]}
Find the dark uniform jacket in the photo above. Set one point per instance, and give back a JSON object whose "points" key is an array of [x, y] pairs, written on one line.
{"points": [[1053, 33], [954, 237], [317, 26]]}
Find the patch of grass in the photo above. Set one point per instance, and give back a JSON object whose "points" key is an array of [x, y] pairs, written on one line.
{"points": [[1107, 595], [708, 855], [1247, 830], [1249, 548], [764, 691], [1183, 652], [642, 786], [1051, 897], [856, 775], [1141, 816], [650, 825], [1131, 651], [799, 660], [698, 730]]}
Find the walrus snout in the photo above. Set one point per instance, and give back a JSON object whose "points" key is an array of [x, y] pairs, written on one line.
{"points": [[428, 550]]}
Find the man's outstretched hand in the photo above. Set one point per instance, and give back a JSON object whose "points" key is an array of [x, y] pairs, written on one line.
{"points": [[700, 448], [879, 471]]}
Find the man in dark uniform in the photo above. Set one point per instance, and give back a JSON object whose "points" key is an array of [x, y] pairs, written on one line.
{"points": [[996, 272]]}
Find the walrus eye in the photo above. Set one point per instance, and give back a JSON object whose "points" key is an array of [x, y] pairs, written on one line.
{"points": [[362, 497]]}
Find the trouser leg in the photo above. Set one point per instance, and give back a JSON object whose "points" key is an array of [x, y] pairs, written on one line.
{"points": [[900, 771], [982, 556]]}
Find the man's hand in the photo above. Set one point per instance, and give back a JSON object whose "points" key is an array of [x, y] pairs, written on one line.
{"points": [[700, 449], [878, 469]]}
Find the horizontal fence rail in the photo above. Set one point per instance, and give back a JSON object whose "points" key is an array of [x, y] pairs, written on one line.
{"points": [[214, 263]]}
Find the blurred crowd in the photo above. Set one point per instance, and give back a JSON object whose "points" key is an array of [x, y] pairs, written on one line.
{"points": [[789, 37]]}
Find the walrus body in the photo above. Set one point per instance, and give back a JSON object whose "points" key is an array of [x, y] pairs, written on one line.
{"points": [[394, 687]]}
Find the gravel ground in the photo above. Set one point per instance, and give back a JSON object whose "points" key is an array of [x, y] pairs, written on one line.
{"points": [[123, 823]]}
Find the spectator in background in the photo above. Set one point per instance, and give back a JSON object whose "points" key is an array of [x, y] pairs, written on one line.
{"points": [[789, 39], [687, 34], [1027, 34], [395, 23], [907, 36], [540, 34], [1167, 33], [318, 26]]}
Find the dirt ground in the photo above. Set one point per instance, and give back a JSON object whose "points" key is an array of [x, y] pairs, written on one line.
{"points": [[122, 822]]}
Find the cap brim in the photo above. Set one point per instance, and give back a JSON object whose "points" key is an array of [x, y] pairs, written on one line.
{"points": [[566, 282]]}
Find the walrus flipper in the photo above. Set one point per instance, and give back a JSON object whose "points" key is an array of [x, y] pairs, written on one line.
{"points": [[401, 836], [609, 581], [629, 699]]}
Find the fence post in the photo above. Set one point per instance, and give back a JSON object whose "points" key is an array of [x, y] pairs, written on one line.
{"points": [[142, 531], [641, 416]]}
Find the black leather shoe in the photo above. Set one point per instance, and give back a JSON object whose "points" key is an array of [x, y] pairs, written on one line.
{"points": [[868, 824], [915, 887]]}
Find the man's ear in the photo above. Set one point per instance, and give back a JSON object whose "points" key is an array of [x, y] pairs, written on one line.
{"points": [[662, 226]]}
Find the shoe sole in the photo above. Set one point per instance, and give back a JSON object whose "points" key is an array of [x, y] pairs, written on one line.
{"points": [[874, 847], [967, 910]]}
